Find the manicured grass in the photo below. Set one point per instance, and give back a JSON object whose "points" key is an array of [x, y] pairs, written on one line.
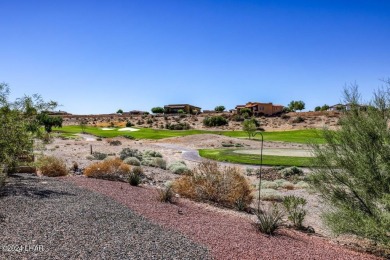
{"points": [[228, 155], [296, 136], [143, 133]]}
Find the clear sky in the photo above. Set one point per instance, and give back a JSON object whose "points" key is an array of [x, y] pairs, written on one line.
{"points": [[99, 56]]}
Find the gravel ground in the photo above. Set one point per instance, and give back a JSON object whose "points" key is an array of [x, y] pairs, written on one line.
{"points": [[227, 235], [48, 218]]}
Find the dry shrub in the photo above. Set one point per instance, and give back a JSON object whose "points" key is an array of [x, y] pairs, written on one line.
{"points": [[111, 169], [208, 182], [52, 166]]}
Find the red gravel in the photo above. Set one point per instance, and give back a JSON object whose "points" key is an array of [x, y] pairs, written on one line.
{"points": [[227, 236]]}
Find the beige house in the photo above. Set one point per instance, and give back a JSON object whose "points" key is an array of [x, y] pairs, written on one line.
{"points": [[259, 109], [189, 109]]}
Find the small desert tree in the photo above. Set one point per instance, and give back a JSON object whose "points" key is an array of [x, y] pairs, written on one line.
{"points": [[120, 111], [296, 105], [83, 125], [219, 109], [18, 124], [49, 121], [157, 110], [249, 126], [354, 169]]}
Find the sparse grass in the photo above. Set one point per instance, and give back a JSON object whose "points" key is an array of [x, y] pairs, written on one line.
{"points": [[295, 136], [228, 155]]}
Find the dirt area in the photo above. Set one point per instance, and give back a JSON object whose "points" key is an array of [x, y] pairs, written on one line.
{"points": [[174, 149], [290, 121]]}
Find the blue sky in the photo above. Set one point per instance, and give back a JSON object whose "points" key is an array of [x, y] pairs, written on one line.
{"points": [[99, 56]]}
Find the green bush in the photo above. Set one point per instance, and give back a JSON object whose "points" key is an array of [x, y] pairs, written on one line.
{"points": [[215, 121], [268, 221], [132, 161], [129, 124], [295, 209], [179, 167]]}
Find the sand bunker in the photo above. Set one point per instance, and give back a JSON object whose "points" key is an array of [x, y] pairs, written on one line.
{"points": [[279, 152], [128, 129], [106, 128]]}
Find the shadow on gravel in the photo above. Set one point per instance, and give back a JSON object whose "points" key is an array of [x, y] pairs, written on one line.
{"points": [[29, 186]]}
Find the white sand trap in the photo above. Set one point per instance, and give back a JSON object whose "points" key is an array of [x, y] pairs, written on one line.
{"points": [[279, 152], [107, 129], [128, 129]]}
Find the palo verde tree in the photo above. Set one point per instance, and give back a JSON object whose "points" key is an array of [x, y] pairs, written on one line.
{"points": [[49, 121], [296, 105], [18, 124], [219, 109], [353, 173], [250, 126], [157, 110]]}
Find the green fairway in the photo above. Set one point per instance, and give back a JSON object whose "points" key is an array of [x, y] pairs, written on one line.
{"points": [[297, 136], [294, 136], [228, 155], [143, 133]]}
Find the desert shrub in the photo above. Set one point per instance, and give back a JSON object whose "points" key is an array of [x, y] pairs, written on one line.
{"points": [[302, 185], [135, 176], [178, 167], [295, 209], [287, 185], [271, 195], [155, 162], [298, 119], [129, 124], [353, 172], [238, 145], [99, 155], [127, 152], [150, 153], [166, 194], [238, 118], [115, 142], [52, 166], [284, 116], [290, 171], [111, 169], [129, 137], [215, 121], [268, 221], [227, 144], [132, 161], [178, 126], [149, 121], [208, 182], [269, 185]]}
